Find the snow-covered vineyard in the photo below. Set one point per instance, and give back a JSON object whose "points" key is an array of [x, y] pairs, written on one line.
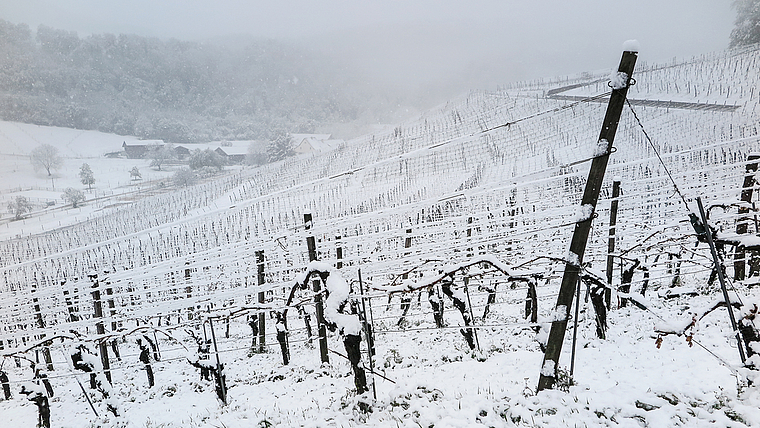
{"points": [[491, 181]]}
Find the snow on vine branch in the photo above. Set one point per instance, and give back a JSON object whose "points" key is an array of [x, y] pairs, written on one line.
{"points": [[448, 270], [337, 291]]}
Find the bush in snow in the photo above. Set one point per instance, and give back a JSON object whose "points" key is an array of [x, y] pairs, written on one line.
{"points": [[72, 196], [19, 207]]}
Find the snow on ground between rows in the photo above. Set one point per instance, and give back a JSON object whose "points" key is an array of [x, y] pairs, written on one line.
{"points": [[623, 381]]}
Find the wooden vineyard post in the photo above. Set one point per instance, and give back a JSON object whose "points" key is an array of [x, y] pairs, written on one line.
{"points": [[620, 85], [321, 328], [41, 325], [188, 289], [721, 278], [114, 325], [338, 254], [611, 242], [261, 297], [368, 333], [741, 225], [100, 328], [406, 302], [221, 383]]}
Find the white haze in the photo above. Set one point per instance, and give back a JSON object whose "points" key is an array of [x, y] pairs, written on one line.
{"points": [[424, 50]]}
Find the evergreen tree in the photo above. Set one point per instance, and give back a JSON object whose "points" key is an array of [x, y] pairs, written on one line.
{"points": [[747, 24], [135, 173], [86, 176], [280, 148]]}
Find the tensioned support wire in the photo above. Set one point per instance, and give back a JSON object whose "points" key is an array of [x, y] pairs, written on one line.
{"points": [[551, 111], [656, 152]]}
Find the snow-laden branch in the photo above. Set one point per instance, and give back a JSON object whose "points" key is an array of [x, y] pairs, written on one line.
{"points": [[680, 327], [337, 291], [448, 270]]}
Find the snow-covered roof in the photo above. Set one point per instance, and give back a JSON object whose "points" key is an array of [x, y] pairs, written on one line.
{"points": [[300, 137]]}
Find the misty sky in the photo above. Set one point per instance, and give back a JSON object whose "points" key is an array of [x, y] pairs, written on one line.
{"points": [[423, 45]]}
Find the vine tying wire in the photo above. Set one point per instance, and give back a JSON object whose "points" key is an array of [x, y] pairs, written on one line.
{"points": [[641, 125], [551, 111]]}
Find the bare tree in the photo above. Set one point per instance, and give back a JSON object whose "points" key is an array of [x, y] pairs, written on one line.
{"points": [[160, 154], [45, 157]]}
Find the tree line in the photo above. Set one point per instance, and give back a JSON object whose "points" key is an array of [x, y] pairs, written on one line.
{"points": [[171, 90]]}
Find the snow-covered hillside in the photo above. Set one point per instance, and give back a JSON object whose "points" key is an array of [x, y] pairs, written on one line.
{"points": [[492, 174]]}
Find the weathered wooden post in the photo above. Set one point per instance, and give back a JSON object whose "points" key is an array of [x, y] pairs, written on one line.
{"points": [[338, 254], [368, 333], [620, 83], [221, 384], [406, 302], [611, 241], [41, 325], [100, 328], [321, 328], [261, 297], [741, 225], [112, 313]]}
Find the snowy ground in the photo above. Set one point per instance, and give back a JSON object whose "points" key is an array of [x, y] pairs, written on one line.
{"points": [[623, 381]]}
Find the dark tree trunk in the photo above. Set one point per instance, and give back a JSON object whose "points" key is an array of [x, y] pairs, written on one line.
{"points": [[352, 344], [490, 301], [6, 385], [461, 305], [600, 308], [437, 304], [282, 338], [625, 282]]}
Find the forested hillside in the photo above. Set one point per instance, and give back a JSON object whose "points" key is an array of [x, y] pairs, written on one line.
{"points": [[171, 90]]}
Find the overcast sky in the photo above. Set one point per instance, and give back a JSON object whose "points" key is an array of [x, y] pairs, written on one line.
{"points": [[451, 44]]}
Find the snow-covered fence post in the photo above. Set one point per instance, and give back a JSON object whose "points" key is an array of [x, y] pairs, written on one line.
{"points": [[321, 329], [741, 224], [112, 312], [99, 327], [338, 253], [368, 323], [406, 302], [261, 297], [619, 83], [41, 325], [611, 240], [69, 305]]}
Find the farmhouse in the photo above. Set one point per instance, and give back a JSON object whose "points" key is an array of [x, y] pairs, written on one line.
{"points": [[314, 143], [138, 151]]}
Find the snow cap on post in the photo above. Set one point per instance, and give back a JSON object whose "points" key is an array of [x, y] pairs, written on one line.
{"points": [[631, 45]]}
